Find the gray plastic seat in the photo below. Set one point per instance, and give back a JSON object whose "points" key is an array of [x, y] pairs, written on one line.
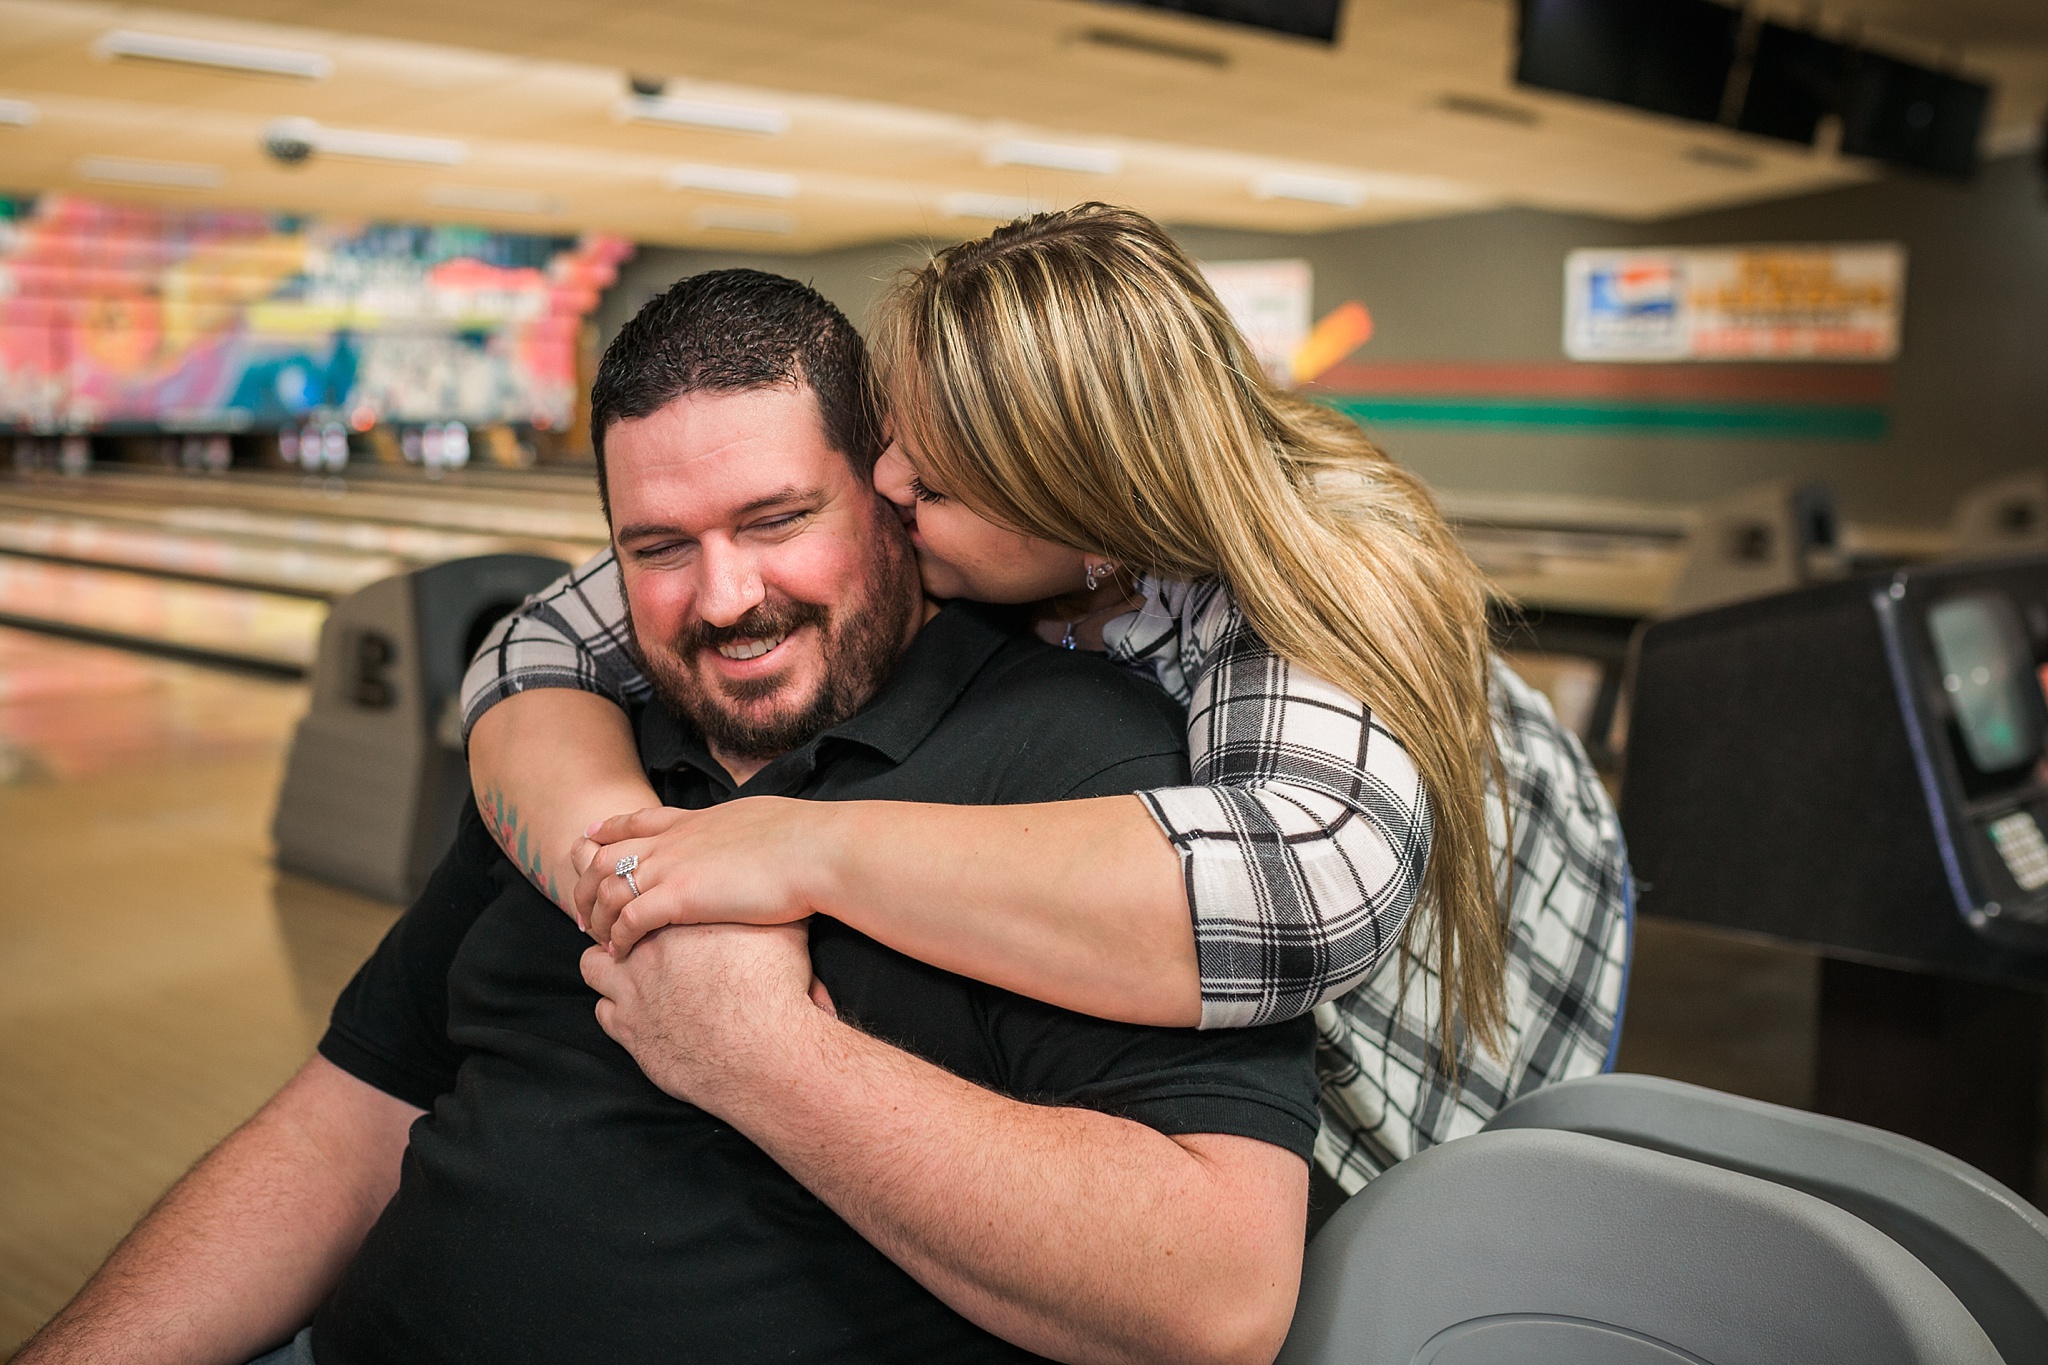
{"points": [[1539, 1247], [1988, 1245]]}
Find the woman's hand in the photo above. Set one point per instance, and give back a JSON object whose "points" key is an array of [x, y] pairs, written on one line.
{"points": [[743, 862]]}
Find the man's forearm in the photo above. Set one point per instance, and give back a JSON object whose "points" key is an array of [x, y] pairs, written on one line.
{"points": [[546, 763], [1071, 1233], [237, 1256]]}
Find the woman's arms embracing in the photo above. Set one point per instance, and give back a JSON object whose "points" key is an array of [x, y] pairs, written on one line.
{"points": [[1078, 903]]}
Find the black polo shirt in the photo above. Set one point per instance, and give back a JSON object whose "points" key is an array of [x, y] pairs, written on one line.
{"points": [[555, 1206]]}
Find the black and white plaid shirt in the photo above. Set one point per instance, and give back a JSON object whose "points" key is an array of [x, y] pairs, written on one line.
{"points": [[1303, 852]]}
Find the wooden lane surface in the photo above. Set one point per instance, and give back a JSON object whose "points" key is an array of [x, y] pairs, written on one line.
{"points": [[158, 980]]}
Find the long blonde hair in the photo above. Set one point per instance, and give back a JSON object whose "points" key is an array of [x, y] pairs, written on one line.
{"points": [[1073, 376]]}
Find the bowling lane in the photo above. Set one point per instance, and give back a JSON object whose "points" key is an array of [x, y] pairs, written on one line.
{"points": [[420, 544], [70, 710], [158, 980], [530, 516], [1546, 553], [275, 565], [557, 481], [242, 626], [208, 566], [239, 569], [1590, 555]]}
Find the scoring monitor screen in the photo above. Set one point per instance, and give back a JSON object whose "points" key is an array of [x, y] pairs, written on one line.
{"points": [[1985, 667]]}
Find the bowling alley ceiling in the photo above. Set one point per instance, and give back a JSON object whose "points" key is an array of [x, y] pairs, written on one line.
{"points": [[798, 125]]}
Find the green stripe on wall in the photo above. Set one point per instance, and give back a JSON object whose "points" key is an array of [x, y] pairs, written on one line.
{"points": [[1779, 420]]}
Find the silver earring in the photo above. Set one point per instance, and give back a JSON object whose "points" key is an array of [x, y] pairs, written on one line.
{"points": [[1095, 573]]}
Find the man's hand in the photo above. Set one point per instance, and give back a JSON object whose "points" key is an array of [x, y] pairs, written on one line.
{"points": [[697, 1003], [743, 862], [1069, 1232]]}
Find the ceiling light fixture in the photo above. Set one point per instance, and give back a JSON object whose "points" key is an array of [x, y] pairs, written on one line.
{"points": [[487, 199], [684, 113], [168, 175], [167, 47], [1721, 158], [1053, 156], [732, 180], [1500, 111], [1001, 208], [364, 144], [1308, 189], [1117, 40], [747, 220], [18, 114]]}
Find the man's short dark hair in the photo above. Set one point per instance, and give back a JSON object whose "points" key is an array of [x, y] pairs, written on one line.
{"points": [[726, 331]]}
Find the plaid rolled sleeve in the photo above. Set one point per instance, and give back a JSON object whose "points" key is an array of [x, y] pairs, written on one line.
{"points": [[572, 633], [1304, 856], [1304, 846]]}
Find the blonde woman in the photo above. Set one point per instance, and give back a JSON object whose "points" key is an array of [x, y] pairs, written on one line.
{"points": [[1392, 829]]}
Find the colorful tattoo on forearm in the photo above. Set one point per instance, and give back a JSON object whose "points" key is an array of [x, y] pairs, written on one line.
{"points": [[503, 819]]}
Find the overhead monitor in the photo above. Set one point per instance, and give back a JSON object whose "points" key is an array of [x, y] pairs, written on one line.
{"points": [[1912, 115], [1795, 80], [1667, 56], [1861, 765]]}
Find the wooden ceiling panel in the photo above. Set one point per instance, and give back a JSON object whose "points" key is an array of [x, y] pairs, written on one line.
{"points": [[891, 103]]}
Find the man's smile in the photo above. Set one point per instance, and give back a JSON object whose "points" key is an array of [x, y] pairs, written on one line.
{"points": [[753, 660], [752, 649]]}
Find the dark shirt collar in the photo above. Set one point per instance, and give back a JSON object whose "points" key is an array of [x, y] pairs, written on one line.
{"points": [[942, 659]]}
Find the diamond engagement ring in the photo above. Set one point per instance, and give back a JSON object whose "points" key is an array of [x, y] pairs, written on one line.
{"points": [[624, 867]]}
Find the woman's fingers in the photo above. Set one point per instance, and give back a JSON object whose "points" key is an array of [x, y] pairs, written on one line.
{"points": [[583, 896], [675, 891], [731, 864], [612, 899], [639, 824], [665, 898], [596, 855], [659, 904], [601, 892]]}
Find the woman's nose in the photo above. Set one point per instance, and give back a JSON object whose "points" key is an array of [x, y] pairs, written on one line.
{"points": [[892, 476]]}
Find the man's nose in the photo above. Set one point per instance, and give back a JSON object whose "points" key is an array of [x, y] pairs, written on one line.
{"points": [[731, 585]]}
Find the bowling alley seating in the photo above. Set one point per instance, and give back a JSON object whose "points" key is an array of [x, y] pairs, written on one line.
{"points": [[377, 777], [1989, 1246], [1533, 1246], [1859, 769]]}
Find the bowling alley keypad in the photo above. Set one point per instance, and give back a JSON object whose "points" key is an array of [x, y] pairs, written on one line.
{"points": [[2020, 844]]}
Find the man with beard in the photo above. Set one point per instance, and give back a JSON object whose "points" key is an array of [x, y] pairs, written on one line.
{"points": [[748, 1143]]}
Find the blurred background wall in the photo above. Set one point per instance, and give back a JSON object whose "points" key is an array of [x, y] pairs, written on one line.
{"points": [[1966, 400]]}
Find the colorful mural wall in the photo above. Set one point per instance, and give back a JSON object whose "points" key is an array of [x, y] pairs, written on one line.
{"points": [[132, 316]]}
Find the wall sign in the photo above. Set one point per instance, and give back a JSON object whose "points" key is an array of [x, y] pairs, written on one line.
{"points": [[1833, 302]]}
